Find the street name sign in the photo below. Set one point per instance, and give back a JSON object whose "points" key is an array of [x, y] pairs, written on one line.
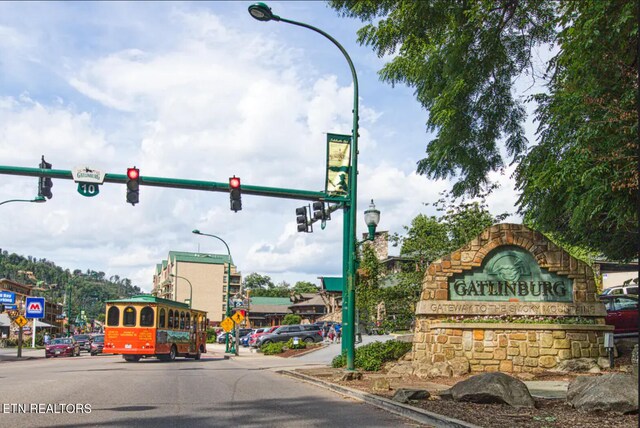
{"points": [[34, 307]]}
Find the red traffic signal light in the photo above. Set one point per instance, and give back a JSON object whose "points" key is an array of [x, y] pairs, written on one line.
{"points": [[133, 185], [133, 173], [235, 195]]}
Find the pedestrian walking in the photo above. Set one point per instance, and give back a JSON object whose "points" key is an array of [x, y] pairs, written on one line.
{"points": [[325, 331], [338, 329], [332, 333], [46, 338]]}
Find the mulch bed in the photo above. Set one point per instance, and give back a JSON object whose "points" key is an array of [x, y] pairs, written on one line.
{"points": [[547, 414]]}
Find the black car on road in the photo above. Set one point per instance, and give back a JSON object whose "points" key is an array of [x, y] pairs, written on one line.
{"points": [[309, 333]]}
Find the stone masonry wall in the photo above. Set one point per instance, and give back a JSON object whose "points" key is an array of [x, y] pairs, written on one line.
{"points": [[510, 348]]}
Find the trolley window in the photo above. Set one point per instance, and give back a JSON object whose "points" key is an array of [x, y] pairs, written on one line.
{"points": [[162, 318], [146, 317], [129, 319], [113, 316], [170, 318]]}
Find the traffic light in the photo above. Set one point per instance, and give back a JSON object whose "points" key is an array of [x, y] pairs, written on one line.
{"points": [[45, 184], [302, 220], [133, 185], [319, 211], [235, 195]]}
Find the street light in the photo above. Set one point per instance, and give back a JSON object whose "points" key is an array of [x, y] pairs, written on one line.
{"points": [[38, 199], [262, 12], [372, 218], [190, 287], [228, 312]]}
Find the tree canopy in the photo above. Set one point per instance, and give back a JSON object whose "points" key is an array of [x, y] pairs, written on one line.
{"points": [[579, 180]]}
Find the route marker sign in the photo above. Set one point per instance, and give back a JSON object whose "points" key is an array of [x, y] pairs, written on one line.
{"points": [[34, 307], [88, 180]]}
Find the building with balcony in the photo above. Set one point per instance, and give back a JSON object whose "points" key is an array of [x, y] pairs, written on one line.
{"points": [[207, 274]]}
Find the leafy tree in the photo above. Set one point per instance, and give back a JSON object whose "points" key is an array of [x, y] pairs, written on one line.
{"points": [[86, 292], [255, 281], [427, 239], [305, 287], [580, 181], [290, 319]]}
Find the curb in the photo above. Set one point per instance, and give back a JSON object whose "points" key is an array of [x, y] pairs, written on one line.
{"points": [[413, 413]]}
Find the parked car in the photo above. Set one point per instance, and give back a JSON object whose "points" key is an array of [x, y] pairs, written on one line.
{"points": [[309, 333], [622, 313], [84, 340], [253, 340], [232, 335], [62, 347], [97, 343], [621, 289]]}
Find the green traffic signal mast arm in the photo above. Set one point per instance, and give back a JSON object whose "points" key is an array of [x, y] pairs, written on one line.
{"points": [[179, 184]]}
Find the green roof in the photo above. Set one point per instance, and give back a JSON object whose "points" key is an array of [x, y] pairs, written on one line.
{"points": [[164, 264], [278, 301], [158, 268], [148, 298], [332, 283], [216, 259]]}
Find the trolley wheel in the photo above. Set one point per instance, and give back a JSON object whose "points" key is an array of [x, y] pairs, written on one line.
{"points": [[173, 353]]}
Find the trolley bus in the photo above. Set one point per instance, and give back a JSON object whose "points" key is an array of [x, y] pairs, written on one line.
{"points": [[148, 326]]}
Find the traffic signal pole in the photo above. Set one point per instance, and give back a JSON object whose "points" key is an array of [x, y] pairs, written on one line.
{"points": [[177, 183]]}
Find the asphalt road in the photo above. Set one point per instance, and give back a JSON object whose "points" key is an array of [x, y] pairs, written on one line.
{"points": [[244, 391]]}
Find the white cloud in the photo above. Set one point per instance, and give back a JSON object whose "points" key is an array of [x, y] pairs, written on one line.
{"points": [[194, 95]]}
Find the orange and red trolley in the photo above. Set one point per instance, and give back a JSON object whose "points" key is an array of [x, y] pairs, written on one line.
{"points": [[148, 326]]}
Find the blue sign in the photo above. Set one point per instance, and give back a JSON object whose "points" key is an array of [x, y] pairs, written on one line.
{"points": [[34, 307], [10, 307], [7, 297]]}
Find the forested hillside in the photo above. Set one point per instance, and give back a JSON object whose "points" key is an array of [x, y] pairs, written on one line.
{"points": [[88, 290]]}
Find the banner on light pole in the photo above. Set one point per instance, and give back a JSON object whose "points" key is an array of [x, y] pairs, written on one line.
{"points": [[338, 164]]}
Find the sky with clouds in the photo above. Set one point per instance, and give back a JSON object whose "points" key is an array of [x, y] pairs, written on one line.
{"points": [[197, 91]]}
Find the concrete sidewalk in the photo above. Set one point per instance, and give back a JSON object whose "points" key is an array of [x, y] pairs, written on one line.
{"points": [[11, 354]]}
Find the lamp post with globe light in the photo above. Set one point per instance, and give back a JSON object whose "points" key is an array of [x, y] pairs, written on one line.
{"points": [[228, 311], [262, 12]]}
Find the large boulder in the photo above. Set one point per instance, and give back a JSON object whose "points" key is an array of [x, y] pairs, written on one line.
{"points": [[583, 365], [400, 368], [614, 392], [493, 387], [403, 395]]}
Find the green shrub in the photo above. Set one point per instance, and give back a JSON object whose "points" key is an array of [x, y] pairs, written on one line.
{"points": [[300, 345], [291, 319], [371, 357], [211, 335], [273, 348]]}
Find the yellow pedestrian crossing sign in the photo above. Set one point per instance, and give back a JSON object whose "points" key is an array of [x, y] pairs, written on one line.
{"points": [[237, 317], [21, 321], [227, 324]]}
